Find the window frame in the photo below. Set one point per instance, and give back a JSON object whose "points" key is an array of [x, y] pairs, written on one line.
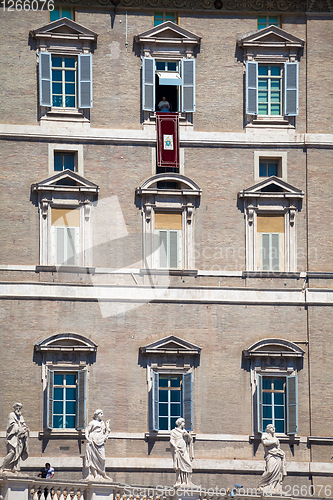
{"points": [[164, 13], [77, 150], [267, 23], [61, 8], [276, 156]]}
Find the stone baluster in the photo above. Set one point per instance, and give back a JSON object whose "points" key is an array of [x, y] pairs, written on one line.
{"points": [[38, 491]]}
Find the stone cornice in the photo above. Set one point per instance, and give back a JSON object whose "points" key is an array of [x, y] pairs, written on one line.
{"points": [[271, 6]]}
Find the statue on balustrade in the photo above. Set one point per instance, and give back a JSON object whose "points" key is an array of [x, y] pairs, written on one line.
{"points": [[17, 441], [181, 443], [271, 480], [96, 434]]}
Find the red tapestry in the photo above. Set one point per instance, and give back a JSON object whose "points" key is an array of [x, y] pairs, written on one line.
{"points": [[167, 140]]}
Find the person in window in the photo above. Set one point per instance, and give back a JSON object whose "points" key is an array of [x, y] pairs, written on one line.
{"points": [[271, 480], [164, 106], [181, 444]]}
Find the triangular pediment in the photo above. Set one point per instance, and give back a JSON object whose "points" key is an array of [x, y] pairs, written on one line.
{"points": [[66, 342], [68, 181], [168, 31], [274, 348], [63, 28], [272, 36], [171, 345], [272, 186]]}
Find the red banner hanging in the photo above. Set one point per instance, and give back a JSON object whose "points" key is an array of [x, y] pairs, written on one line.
{"points": [[167, 140]]}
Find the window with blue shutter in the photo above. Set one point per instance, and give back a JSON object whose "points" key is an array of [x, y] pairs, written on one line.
{"points": [[85, 81], [188, 87], [45, 79], [148, 84], [251, 88], [291, 89]]}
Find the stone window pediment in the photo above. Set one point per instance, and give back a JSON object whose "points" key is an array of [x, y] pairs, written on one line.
{"points": [[63, 31], [66, 342], [171, 345], [271, 37], [66, 181], [274, 348], [271, 188]]}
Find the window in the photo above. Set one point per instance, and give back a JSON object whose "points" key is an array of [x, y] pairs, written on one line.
{"points": [[65, 71], [265, 21], [267, 168], [270, 208], [64, 161], [65, 228], [271, 76], [161, 17], [64, 400], [270, 163], [59, 12], [168, 221], [277, 403], [265, 94], [274, 365], [174, 80], [65, 157], [168, 228]]}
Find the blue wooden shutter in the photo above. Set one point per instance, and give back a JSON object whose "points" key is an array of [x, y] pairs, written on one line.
{"points": [[49, 402], [251, 88], [259, 404], [188, 400], [85, 80], [291, 89], [148, 84], [154, 400], [188, 87], [81, 400], [45, 79], [292, 406]]}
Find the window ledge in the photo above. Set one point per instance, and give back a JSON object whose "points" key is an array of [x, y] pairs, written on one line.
{"points": [[270, 274], [316, 439], [283, 438], [171, 272], [65, 269], [61, 114], [162, 435], [266, 121], [61, 434]]}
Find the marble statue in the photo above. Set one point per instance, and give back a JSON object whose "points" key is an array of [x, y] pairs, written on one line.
{"points": [[96, 434], [271, 480], [181, 443], [17, 441]]}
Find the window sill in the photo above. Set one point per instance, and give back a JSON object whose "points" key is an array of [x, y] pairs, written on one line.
{"points": [[61, 114], [322, 440], [61, 434], [171, 272], [270, 274], [65, 269], [283, 438], [267, 121], [162, 435]]}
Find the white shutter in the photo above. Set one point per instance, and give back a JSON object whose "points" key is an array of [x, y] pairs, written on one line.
{"points": [[45, 79], [265, 251], [291, 89], [85, 80], [259, 404], [155, 388], [70, 243], [49, 402], [292, 405], [60, 245], [163, 248], [188, 400], [81, 400], [188, 87], [148, 84], [251, 88], [275, 251]]}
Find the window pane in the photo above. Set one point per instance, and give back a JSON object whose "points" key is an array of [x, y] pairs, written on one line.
{"points": [[69, 62], [163, 409], [266, 421], [272, 169], [163, 396], [70, 89], [273, 20], [56, 75], [160, 65], [58, 379], [57, 88], [163, 423], [266, 383], [70, 407], [163, 382], [175, 382], [69, 164], [267, 411], [279, 412], [279, 384], [175, 410], [57, 101], [70, 76], [58, 393], [57, 421], [275, 70], [70, 394], [54, 14], [70, 422], [170, 16], [173, 422], [279, 398], [56, 62], [67, 13], [70, 378], [275, 109], [57, 407], [263, 109], [175, 396], [279, 426], [267, 398], [262, 70], [262, 170], [172, 66], [70, 101]]}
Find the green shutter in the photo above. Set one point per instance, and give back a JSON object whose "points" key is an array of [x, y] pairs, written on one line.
{"points": [[251, 88], [292, 406], [81, 400], [188, 400], [291, 89], [148, 84], [85, 80], [49, 402], [45, 80], [155, 388], [259, 404], [188, 87]]}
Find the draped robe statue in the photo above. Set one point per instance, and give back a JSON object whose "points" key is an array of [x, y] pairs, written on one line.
{"points": [[17, 440], [94, 460], [181, 444], [271, 480]]}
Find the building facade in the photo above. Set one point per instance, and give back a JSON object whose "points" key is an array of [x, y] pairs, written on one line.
{"points": [[163, 264]]}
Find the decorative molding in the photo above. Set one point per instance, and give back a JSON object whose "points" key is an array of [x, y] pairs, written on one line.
{"points": [[171, 345], [217, 6], [274, 348], [66, 342]]}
